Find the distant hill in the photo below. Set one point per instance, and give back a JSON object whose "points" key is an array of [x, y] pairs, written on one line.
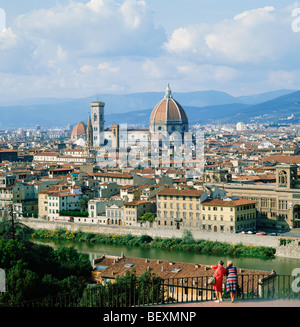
{"points": [[201, 107]]}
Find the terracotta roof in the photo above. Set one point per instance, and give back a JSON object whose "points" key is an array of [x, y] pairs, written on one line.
{"points": [[232, 203], [173, 191], [111, 267], [49, 154], [116, 175], [79, 129], [282, 158], [136, 203]]}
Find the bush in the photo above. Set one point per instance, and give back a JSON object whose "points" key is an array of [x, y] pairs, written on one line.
{"points": [[187, 243]]}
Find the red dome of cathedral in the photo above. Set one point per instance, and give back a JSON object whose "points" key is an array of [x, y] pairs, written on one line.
{"points": [[168, 116], [79, 129], [168, 109]]}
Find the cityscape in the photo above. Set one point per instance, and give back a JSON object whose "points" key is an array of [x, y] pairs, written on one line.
{"points": [[121, 192]]}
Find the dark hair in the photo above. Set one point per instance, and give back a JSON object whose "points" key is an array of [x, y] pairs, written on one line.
{"points": [[221, 262]]}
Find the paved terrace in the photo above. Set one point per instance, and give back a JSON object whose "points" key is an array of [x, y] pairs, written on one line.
{"points": [[239, 303]]}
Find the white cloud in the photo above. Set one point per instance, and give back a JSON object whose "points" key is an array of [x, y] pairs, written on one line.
{"points": [[114, 46], [256, 36]]}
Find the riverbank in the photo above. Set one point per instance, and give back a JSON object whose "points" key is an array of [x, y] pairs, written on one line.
{"points": [[232, 239], [185, 244]]}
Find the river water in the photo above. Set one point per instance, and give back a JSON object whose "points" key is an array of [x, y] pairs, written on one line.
{"points": [[283, 266]]}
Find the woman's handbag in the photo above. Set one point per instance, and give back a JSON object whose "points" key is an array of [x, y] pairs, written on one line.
{"points": [[211, 280]]}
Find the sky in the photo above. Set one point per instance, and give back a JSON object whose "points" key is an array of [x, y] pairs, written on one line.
{"points": [[72, 49]]}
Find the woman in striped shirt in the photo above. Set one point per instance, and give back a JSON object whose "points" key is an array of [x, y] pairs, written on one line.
{"points": [[231, 282]]}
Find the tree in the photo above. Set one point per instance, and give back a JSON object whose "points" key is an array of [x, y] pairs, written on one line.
{"points": [[148, 216], [83, 203]]}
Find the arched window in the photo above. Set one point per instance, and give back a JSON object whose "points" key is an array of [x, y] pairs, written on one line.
{"points": [[282, 178]]}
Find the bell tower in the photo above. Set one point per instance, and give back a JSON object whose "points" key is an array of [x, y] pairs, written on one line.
{"points": [[286, 176], [97, 109]]}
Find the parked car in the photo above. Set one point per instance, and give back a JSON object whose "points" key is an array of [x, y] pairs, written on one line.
{"points": [[242, 232], [249, 232], [261, 233]]}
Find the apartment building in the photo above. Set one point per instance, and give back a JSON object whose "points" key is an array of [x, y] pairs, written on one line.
{"points": [[227, 215], [195, 210], [64, 200], [12, 191], [134, 210], [179, 208], [97, 208]]}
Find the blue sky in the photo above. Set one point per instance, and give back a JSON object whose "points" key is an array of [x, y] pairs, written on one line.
{"points": [[63, 48]]}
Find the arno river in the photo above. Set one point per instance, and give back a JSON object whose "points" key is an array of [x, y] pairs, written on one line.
{"points": [[283, 266]]}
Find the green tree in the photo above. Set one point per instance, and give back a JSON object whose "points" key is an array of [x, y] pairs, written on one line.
{"points": [[148, 216], [83, 203]]}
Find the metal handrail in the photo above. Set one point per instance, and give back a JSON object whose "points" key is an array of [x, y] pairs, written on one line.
{"points": [[172, 290]]}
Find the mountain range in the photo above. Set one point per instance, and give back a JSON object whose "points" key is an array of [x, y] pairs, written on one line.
{"points": [[202, 107]]}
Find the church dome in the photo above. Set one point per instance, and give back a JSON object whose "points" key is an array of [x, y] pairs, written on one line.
{"points": [[168, 112], [168, 109], [79, 129]]}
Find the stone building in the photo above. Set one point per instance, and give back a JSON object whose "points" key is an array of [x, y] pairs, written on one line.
{"points": [[194, 210], [278, 204]]}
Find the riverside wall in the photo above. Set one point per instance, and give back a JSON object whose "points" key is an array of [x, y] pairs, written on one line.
{"points": [[290, 249]]}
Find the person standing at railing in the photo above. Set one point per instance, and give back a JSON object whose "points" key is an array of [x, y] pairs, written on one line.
{"points": [[220, 272], [231, 282]]}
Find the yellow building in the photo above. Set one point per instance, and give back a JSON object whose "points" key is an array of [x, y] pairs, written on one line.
{"points": [[228, 215], [194, 210], [43, 203]]}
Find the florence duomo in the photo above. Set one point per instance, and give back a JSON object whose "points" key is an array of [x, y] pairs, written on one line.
{"points": [[168, 117]]}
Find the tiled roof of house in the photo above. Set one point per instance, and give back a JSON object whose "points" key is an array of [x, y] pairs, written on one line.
{"points": [[173, 191], [227, 203], [113, 266]]}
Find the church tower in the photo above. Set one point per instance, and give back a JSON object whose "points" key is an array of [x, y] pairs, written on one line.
{"points": [[89, 133], [286, 176], [98, 123]]}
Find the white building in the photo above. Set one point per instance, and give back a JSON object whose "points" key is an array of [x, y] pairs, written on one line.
{"points": [[240, 126], [65, 200]]}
